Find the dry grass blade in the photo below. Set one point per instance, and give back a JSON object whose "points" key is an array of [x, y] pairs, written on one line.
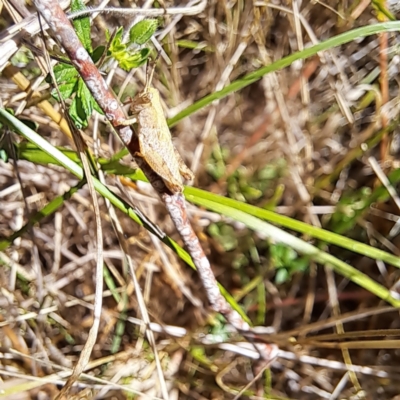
{"points": [[97, 312], [98, 300], [142, 305]]}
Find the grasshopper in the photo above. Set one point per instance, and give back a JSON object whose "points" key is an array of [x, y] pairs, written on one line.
{"points": [[155, 140]]}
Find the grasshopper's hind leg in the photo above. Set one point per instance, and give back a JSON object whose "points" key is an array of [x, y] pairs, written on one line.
{"points": [[183, 168]]}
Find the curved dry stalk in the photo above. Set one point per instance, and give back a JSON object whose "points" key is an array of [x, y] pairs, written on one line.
{"points": [[138, 291], [91, 340]]}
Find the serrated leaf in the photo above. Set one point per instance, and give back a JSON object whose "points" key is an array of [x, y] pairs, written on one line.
{"points": [[134, 60], [126, 58], [82, 25], [85, 97], [66, 90], [63, 73], [77, 113], [97, 53], [143, 31]]}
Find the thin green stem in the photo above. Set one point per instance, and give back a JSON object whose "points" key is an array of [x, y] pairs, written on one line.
{"points": [[285, 62]]}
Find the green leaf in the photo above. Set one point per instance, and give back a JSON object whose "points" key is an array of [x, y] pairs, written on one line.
{"points": [[82, 106], [276, 235], [96, 106], [116, 45], [29, 151], [129, 61], [97, 53], [63, 73], [82, 25], [86, 98], [65, 89], [144, 53], [66, 77], [77, 114], [143, 31], [126, 58], [83, 103], [198, 196]]}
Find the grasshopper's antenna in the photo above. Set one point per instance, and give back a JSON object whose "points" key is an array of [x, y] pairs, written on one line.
{"points": [[149, 76]]}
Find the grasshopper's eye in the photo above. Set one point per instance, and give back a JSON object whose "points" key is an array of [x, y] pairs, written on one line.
{"points": [[147, 97]]}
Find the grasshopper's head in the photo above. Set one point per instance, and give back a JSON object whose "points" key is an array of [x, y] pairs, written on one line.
{"points": [[146, 98], [150, 93]]}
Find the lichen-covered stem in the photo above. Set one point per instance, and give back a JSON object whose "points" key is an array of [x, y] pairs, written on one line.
{"points": [[177, 210], [63, 30]]}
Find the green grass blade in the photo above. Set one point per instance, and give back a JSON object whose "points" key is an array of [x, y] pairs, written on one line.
{"points": [[199, 196], [277, 235], [285, 62]]}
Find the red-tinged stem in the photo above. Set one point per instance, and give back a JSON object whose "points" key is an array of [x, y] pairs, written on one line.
{"points": [[80, 58]]}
